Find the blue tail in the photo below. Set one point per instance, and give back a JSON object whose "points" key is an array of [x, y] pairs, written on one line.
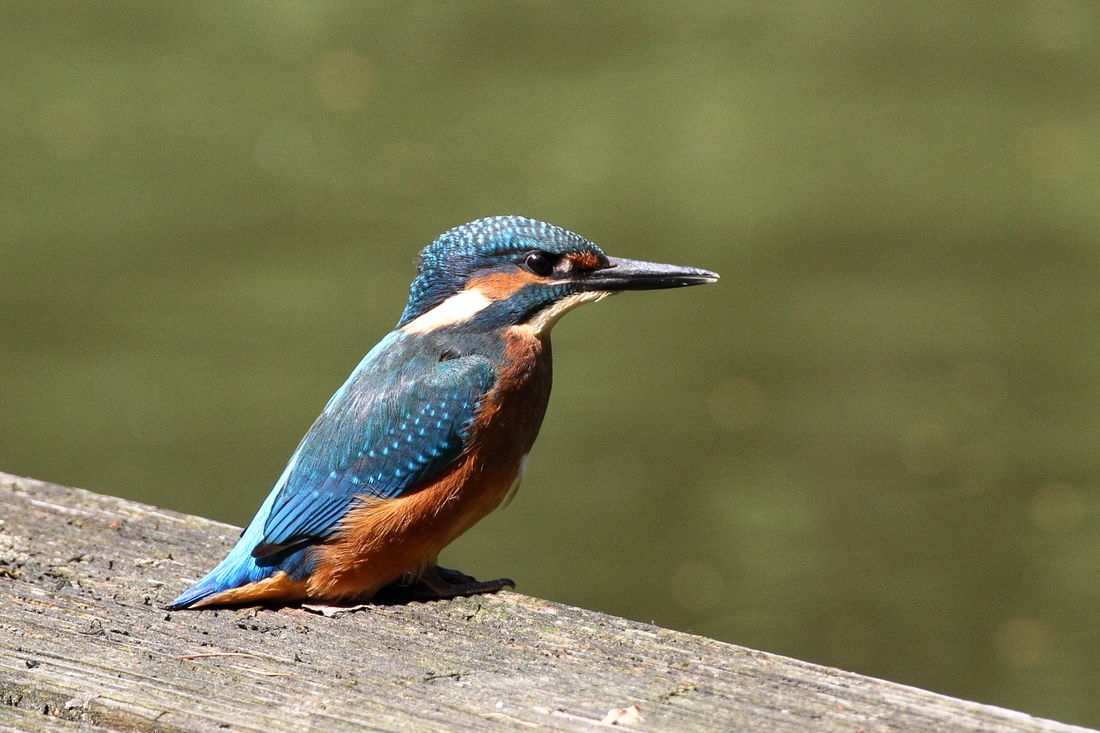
{"points": [[226, 575], [240, 568]]}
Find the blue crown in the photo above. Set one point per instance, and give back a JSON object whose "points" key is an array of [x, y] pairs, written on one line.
{"points": [[446, 263]]}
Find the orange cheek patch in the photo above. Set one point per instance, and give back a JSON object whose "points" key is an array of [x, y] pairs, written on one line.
{"points": [[584, 260], [503, 285]]}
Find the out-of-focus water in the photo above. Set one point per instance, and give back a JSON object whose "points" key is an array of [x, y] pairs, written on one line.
{"points": [[874, 444]]}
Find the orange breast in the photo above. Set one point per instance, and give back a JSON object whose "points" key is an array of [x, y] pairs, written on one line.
{"points": [[382, 539]]}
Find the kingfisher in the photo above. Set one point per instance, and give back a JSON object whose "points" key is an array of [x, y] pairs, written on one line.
{"points": [[432, 429]]}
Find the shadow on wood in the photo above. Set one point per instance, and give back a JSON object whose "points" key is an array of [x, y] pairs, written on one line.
{"points": [[85, 642]]}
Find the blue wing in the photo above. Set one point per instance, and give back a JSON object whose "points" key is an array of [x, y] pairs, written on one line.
{"points": [[402, 416]]}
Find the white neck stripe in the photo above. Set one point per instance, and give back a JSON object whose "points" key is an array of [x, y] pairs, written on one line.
{"points": [[455, 309]]}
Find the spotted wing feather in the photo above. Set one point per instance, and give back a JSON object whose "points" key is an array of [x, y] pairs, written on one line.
{"points": [[376, 440]]}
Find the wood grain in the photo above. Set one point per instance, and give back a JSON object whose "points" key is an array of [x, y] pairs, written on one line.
{"points": [[85, 644]]}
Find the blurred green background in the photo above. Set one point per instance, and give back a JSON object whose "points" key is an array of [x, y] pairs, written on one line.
{"points": [[874, 444]]}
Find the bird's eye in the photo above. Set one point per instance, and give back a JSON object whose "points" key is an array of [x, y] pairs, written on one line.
{"points": [[539, 262]]}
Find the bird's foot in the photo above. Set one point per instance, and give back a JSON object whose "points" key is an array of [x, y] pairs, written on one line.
{"points": [[437, 583]]}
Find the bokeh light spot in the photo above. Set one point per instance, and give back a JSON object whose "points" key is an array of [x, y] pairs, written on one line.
{"points": [[344, 80], [1058, 508], [1022, 642]]}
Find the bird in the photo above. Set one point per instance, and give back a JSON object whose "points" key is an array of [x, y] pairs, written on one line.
{"points": [[431, 430]]}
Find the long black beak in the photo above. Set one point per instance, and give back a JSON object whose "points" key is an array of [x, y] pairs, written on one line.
{"points": [[623, 274]]}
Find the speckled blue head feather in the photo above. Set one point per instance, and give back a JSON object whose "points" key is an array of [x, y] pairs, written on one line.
{"points": [[447, 263]]}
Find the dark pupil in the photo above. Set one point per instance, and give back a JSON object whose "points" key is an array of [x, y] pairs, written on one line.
{"points": [[539, 263]]}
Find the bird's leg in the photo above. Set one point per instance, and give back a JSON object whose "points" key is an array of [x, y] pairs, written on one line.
{"points": [[437, 582]]}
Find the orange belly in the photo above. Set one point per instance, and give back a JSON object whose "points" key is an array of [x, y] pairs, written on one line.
{"points": [[383, 539], [380, 540]]}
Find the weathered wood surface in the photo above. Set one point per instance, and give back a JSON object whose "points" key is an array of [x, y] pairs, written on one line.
{"points": [[86, 644]]}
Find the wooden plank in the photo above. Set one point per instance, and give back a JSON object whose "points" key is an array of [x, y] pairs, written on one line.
{"points": [[84, 640]]}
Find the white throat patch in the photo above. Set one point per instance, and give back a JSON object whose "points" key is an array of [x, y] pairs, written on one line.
{"points": [[545, 319]]}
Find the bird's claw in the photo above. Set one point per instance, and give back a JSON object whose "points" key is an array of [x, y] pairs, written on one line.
{"points": [[438, 583]]}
